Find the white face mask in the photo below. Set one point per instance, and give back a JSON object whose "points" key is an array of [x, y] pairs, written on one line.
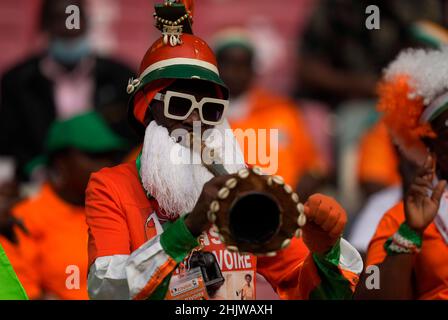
{"points": [[69, 51]]}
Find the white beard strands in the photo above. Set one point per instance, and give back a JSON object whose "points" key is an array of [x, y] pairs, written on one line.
{"points": [[168, 175]]}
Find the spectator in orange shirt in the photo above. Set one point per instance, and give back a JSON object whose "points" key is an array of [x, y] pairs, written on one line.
{"points": [[375, 175], [410, 245], [51, 257], [367, 220], [254, 108]]}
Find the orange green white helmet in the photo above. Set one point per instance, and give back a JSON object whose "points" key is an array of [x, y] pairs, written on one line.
{"points": [[176, 55]]}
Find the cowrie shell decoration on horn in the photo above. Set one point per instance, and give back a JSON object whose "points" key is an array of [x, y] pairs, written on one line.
{"points": [[301, 220], [257, 170], [231, 183], [295, 197], [214, 206], [288, 188], [278, 180], [286, 243], [243, 173], [211, 216], [223, 193]]}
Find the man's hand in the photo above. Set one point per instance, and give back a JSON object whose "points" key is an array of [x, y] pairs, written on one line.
{"points": [[421, 206], [197, 220], [326, 220]]}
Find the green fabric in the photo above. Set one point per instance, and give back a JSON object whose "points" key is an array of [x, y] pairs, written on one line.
{"points": [[441, 110], [87, 132], [333, 284], [36, 162], [425, 36], [184, 71], [406, 232], [177, 240], [160, 292], [10, 286], [233, 40], [138, 164]]}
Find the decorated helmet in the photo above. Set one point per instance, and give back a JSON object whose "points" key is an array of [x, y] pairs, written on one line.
{"points": [[177, 54]]}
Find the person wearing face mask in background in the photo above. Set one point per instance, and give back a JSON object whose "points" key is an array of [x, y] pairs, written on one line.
{"points": [[64, 80]]}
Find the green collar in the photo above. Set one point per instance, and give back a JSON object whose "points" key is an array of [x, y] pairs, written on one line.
{"points": [[138, 164]]}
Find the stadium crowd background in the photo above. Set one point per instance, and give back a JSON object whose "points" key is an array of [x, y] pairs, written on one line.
{"points": [[316, 57]]}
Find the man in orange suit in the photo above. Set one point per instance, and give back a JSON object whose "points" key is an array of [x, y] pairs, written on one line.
{"points": [[150, 218]]}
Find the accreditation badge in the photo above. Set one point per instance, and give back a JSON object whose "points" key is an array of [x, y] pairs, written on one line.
{"points": [[187, 285]]}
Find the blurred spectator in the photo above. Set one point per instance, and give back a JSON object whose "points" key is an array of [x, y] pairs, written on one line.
{"points": [[374, 174], [409, 246], [340, 59], [376, 143], [66, 79], [55, 244], [380, 202], [9, 196], [381, 166], [340, 62], [255, 108]]}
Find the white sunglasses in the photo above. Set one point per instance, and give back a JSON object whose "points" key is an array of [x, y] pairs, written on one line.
{"points": [[179, 106]]}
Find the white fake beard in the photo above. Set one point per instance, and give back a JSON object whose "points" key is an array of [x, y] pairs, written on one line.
{"points": [[177, 185]]}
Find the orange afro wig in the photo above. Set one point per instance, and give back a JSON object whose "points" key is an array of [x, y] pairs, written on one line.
{"points": [[409, 95], [401, 114]]}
